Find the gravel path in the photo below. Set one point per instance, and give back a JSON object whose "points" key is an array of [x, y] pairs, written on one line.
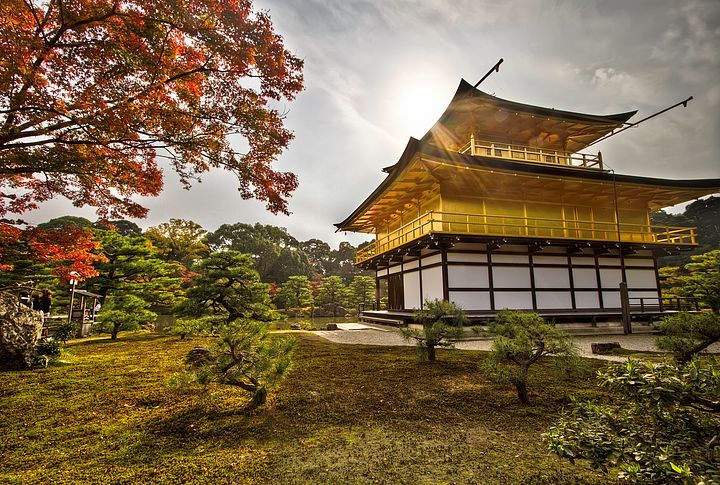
{"points": [[388, 336]]}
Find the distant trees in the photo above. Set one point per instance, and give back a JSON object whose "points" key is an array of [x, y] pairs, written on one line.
{"points": [[362, 290], [296, 292], [521, 340], [179, 240], [123, 312], [703, 214]]}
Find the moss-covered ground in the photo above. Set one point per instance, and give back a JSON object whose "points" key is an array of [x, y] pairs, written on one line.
{"points": [[345, 414]]}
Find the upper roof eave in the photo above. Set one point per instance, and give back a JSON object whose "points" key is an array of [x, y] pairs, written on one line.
{"points": [[415, 146]]}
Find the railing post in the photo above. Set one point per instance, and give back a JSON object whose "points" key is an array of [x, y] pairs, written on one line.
{"points": [[600, 160], [472, 144]]}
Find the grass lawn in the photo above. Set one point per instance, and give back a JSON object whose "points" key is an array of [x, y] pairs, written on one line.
{"points": [[345, 414]]}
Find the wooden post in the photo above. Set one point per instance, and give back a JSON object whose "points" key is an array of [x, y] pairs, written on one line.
{"points": [[625, 305]]}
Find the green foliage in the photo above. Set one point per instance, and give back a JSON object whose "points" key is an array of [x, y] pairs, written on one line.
{"points": [[63, 222], [699, 279], [190, 327], [65, 331], [179, 240], [247, 357], [226, 287], [362, 290], [134, 267], [123, 312], [332, 291], [276, 254], [296, 292], [661, 426], [441, 321], [521, 340], [48, 347], [704, 214], [687, 334]]}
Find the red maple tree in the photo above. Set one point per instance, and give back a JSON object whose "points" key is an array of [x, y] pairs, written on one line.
{"points": [[93, 92]]}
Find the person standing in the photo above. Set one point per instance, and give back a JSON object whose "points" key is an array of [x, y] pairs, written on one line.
{"points": [[46, 302]]}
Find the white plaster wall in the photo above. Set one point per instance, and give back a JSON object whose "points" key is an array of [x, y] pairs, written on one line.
{"points": [[583, 261], [411, 288], [553, 299], [537, 259], [382, 272], [552, 278], [468, 276], [410, 265], [428, 260], [610, 278], [511, 258], [471, 300], [432, 284], [514, 300], [467, 257], [611, 299], [395, 269], [639, 262], [641, 278], [510, 277], [584, 278], [609, 261], [586, 299]]}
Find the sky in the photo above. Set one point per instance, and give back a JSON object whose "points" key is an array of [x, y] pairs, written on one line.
{"points": [[380, 71]]}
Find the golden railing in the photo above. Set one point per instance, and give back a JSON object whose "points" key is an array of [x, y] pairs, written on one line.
{"points": [[532, 227], [531, 154]]}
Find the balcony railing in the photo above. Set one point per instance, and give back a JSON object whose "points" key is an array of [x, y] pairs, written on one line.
{"points": [[531, 227], [531, 154]]}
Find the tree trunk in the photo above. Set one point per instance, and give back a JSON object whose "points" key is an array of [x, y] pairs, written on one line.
{"points": [[430, 351], [521, 386], [115, 331], [258, 399]]}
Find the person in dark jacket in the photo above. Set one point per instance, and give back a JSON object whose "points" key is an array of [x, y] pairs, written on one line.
{"points": [[36, 302], [46, 302]]}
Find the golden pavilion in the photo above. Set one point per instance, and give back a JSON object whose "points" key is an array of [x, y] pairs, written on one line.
{"points": [[498, 206]]}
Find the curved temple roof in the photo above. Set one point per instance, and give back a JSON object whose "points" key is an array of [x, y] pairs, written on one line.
{"points": [[487, 117], [659, 192]]}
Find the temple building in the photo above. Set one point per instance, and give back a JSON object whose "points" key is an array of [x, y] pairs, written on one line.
{"points": [[498, 207]]}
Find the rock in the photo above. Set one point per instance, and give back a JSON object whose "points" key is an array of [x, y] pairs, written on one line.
{"points": [[331, 326], [20, 329], [602, 348], [198, 356], [295, 326]]}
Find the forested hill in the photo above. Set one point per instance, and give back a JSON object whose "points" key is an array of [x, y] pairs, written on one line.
{"points": [[704, 214]]}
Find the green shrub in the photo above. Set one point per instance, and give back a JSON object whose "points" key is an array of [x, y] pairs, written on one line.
{"points": [[66, 331], [661, 427], [441, 321], [48, 347]]}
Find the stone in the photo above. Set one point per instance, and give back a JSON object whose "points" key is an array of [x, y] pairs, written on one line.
{"points": [[198, 356], [602, 348], [295, 326], [20, 329], [331, 326]]}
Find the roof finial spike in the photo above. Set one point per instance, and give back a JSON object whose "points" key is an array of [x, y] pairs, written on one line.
{"points": [[495, 68]]}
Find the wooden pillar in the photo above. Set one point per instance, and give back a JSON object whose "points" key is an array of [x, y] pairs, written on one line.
{"points": [[625, 305]]}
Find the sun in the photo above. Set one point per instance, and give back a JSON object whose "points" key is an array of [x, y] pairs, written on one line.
{"points": [[417, 105]]}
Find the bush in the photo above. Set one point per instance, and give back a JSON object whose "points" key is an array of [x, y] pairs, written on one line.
{"points": [[441, 320], [662, 425], [48, 347], [522, 339], [66, 331], [687, 334]]}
